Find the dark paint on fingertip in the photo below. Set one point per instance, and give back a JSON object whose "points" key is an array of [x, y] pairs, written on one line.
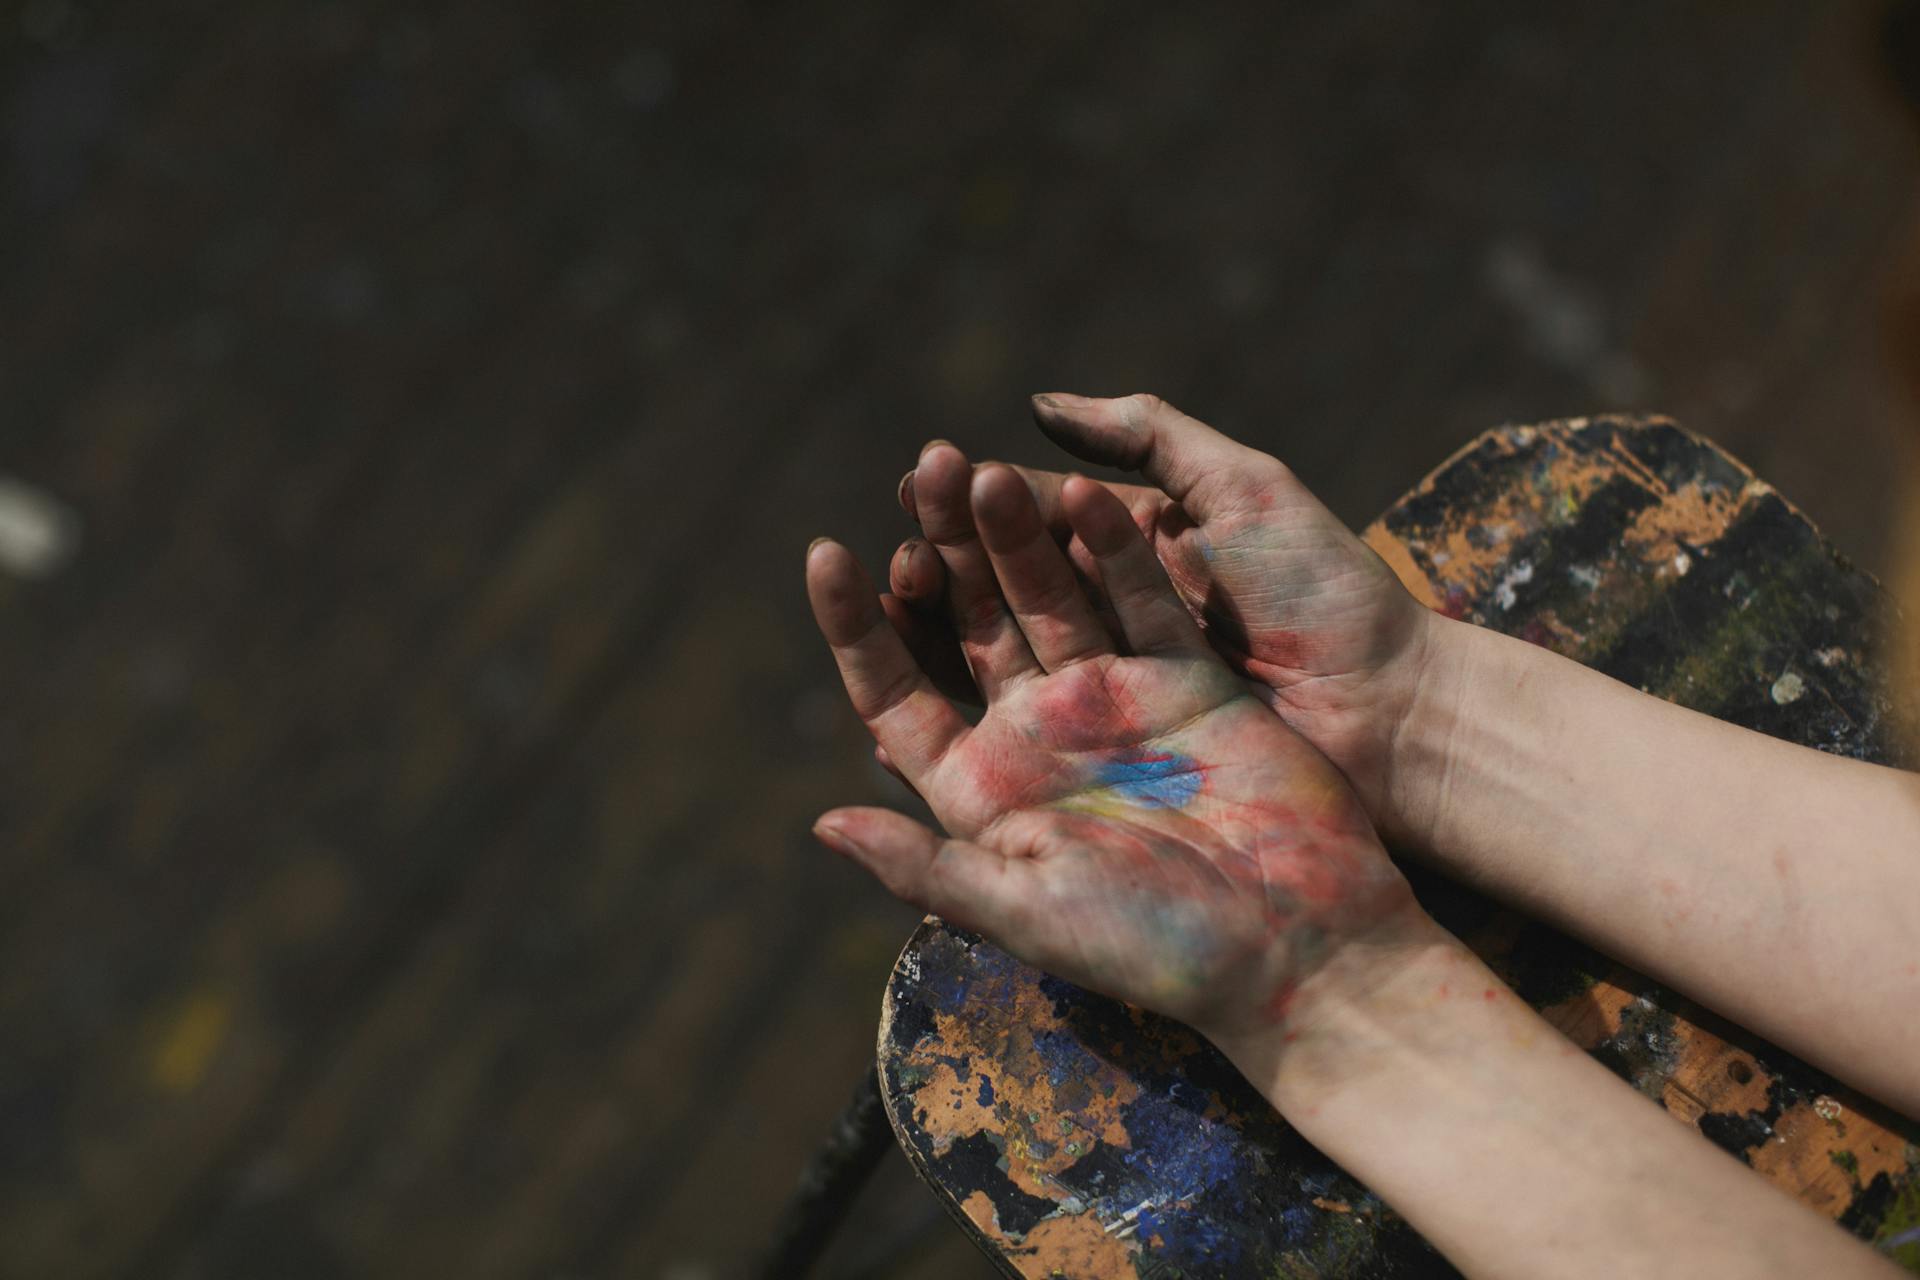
{"points": [[835, 839]]}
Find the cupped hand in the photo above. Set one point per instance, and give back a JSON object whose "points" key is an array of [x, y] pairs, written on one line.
{"points": [[1287, 594], [1135, 822]]}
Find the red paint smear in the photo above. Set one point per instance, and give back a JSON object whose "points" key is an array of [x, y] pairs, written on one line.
{"points": [[1281, 1002], [1093, 710], [1489, 993]]}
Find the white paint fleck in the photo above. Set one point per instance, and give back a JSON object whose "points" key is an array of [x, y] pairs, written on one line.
{"points": [[1826, 1108], [1585, 576], [1440, 558], [1830, 657], [38, 533], [1681, 563], [1519, 575], [1788, 688], [1124, 1225]]}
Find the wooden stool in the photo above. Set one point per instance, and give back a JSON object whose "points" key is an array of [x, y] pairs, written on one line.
{"points": [[1070, 1135]]}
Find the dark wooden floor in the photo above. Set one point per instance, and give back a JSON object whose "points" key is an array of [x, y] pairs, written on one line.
{"points": [[404, 787]]}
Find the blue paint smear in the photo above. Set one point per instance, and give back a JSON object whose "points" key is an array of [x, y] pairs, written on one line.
{"points": [[1152, 782], [1067, 1058], [1197, 1171], [1205, 1187], [986, 1092], [1185, 1154], [1299, 1224]]}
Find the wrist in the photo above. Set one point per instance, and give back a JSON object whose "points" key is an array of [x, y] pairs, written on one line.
{"points": [[1344, 1017], [1423, 752]]}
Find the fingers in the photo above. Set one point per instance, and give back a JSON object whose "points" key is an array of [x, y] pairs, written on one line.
{"points": [[888, 689], [930, 639], [1035, 578], [995, 649], [1195, 465], [960, 882], [905, 495], [885, 761], [916, 572], [1142, 503], [1150, 612]]}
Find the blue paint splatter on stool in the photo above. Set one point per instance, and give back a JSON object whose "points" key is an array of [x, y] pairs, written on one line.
{"points": [[1161, 781], [986, 1091]]}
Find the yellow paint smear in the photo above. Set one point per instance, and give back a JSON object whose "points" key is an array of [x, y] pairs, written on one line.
{"points": [[190, 1040]]}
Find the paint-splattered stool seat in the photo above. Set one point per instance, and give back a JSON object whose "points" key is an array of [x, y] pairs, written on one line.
{"points": [[1073, 1136]]}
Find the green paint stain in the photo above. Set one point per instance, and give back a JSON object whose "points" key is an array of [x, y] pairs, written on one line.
{"points": [[1738, 650], [1903, 1215]]}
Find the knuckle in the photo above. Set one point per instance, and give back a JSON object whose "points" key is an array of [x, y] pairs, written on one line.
{"points": [[1051, 595], [1142, 407], [889, 691], [1268, 468], [953, 537]]}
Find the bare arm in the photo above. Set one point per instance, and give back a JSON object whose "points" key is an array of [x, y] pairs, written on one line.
{"points": [[1513, 1152], [1137, 823], [1777, 884]]}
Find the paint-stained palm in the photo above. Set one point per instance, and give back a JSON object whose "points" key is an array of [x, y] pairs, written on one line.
{"points": [[1135, 822], [1287, 594]]}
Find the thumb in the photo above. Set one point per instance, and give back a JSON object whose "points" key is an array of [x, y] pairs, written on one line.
{"points": [[1203, 470], [957, 880]]}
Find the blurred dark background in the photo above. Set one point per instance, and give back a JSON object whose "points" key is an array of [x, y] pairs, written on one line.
{"points": [[411, 419]]}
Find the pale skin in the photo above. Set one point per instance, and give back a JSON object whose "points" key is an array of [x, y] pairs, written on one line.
{"points": [[1775, 884], [1129, 815]]}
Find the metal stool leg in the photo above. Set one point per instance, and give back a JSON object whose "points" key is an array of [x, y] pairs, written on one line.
{"points": [[828, 1185]]}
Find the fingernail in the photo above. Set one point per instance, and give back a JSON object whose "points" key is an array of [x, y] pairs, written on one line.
{"points": [[1062, 400], [816, 542], [835, 839], [931, 445], [906, 496], [916, 551]]}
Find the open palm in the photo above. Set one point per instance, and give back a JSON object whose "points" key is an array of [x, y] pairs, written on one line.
{"points": [[1288, 595], [1133, 821]]}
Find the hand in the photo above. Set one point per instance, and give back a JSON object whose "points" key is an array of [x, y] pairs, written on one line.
{"points": [[1287, 594], [1135, 823]]}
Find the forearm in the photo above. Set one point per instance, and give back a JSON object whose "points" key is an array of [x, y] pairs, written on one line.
{"points": [[1514, 1153], [1776, 884]]}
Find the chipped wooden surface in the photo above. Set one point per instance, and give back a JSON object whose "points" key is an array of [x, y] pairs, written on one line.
{"points": [[1074, 1136]]}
